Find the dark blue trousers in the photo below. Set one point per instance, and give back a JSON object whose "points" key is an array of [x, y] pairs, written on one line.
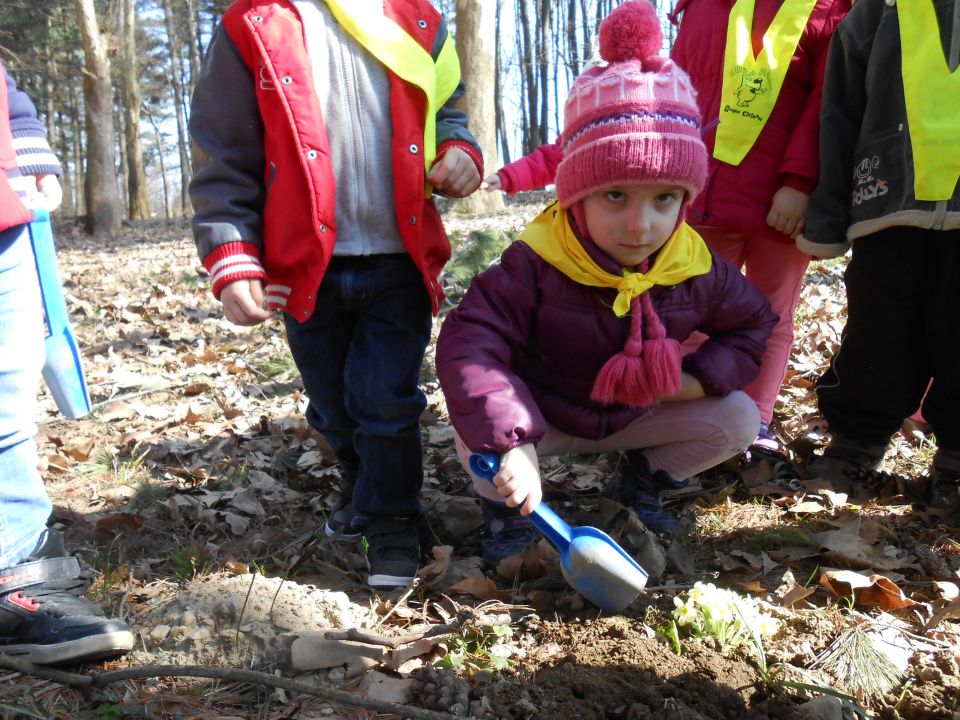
{"points": [[360, 356]]}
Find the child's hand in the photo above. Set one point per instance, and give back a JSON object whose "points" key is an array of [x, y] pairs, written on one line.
{"points": [[690, 389], [454, 174], [492, 182], [788, 211], [50, 191], [519, 478], [243, 302]]}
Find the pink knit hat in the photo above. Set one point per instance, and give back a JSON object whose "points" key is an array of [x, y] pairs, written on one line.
{"points": [[633, 121]]}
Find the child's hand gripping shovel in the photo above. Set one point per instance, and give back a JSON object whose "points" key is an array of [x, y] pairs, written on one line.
{"points": [[590, 560], [63, 370]]}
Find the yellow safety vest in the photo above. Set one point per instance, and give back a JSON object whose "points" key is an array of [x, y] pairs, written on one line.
{"points": [[932, 95], [406, 58], [751, 84]]}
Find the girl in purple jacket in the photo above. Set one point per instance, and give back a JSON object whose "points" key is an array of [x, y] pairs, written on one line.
{"points": [[571, 344]]}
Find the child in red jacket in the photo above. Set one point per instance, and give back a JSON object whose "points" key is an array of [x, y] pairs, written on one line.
{"points": [[758, 68], [316, 163]]}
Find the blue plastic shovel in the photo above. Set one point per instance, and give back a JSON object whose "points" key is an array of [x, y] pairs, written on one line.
{"points": [[590, 560], [63, 370]]}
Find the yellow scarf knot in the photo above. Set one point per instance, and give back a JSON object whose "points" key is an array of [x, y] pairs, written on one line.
{"points": [[683, 256]]}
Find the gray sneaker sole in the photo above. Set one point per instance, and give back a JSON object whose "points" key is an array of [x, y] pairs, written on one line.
{"points": [[86, 649]]}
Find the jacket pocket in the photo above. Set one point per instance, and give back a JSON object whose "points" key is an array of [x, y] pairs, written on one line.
{"points": [[880, 183]]}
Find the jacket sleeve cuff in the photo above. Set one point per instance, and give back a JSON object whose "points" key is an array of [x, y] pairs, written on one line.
{"points": [[798, 182], [34, 156], [822, 250], [231, 262], [506, 181], [467, 148]]}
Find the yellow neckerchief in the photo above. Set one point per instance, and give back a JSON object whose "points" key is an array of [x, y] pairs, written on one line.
{"points": [[932, 94], [683, 256], [751, 84], [406, 58]]}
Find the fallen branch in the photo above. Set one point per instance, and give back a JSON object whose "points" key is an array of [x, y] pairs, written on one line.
{"points": [[102, 679]]}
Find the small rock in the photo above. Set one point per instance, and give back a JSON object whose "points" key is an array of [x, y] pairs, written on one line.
{"points": [[389, 689], [159, 634], [824, 707]]}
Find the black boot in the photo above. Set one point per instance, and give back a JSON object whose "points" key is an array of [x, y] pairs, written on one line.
{"points": [[843, 461], [44, 616]]}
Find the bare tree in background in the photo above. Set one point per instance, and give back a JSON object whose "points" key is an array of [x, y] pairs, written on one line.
{"points": [[476, 48], [102, 193], [137, 200]]}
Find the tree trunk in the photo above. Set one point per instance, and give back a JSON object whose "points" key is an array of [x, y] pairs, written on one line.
{"points": [[102, 194], [531, 137], [175, 74], [545, 32], [137, 200], [161, 153], [476, 43], [498, 93]]}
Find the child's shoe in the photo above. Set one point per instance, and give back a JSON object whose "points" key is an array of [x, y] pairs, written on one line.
{"points": [[767, 443], [342, 523], [393, 555], [843, 460], [945, 481], [638, 487], [44, 616], [505, 532]]}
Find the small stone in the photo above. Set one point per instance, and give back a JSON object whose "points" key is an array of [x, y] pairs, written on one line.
{"points": [[159, 634]]}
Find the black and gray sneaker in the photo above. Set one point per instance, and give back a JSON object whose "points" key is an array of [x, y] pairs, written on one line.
{"points": [[44, 616], [342, 523], [393, 555]]}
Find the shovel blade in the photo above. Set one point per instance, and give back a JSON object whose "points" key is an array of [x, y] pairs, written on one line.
{"points": [[600, 570], [591, 561]]}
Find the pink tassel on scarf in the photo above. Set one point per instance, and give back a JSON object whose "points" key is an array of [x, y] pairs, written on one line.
{"points": [[623, 378], [645, 370]]}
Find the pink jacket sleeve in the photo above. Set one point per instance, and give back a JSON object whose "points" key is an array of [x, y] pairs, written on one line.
{"points": [[532, 171]]}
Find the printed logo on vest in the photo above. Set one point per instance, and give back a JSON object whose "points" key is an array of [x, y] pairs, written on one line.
{"points": [[867, 186], [751, 84]]}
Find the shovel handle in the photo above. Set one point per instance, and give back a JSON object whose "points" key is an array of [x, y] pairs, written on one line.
{"points": [[487, 464]]}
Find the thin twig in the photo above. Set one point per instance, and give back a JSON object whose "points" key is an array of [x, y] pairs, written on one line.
{"points": [[403, 598], [102, 679]]}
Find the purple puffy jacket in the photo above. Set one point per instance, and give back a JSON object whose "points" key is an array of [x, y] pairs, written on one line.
{"points": [[525, 344]]}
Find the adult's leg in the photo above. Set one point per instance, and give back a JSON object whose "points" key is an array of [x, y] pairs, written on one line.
{"points": [[24, 504]]}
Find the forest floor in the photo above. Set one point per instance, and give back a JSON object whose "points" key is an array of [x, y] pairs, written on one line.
{"points": [[197, 492]]}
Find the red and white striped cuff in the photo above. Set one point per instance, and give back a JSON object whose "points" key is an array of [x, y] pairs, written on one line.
{"points": [[232, 262]]}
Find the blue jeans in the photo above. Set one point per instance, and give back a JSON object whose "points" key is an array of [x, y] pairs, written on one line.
{"points": [[359, 356], [24, 504]]}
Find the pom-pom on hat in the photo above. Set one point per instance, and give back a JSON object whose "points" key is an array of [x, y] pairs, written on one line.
{"points": [[634, 120]]}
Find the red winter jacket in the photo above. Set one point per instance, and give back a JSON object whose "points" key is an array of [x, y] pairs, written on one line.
{"points": [[786, 152], [533, 171], [263, 193], [12, 210]]}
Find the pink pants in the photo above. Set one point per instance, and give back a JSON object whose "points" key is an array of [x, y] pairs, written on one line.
{"points": [[777, 268], [681, 438]]}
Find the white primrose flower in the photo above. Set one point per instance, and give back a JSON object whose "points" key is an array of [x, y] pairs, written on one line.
{"points": [[685, 612], [768, 625]]}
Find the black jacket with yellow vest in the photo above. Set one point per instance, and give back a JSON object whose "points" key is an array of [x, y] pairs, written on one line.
{"points": [[866, 157]]}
